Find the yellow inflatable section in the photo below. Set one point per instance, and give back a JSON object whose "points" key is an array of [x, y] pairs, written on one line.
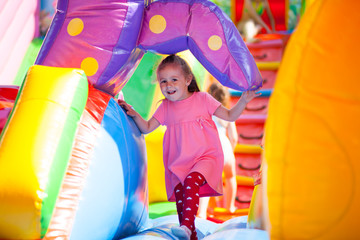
{"points": [[156, 171], [35, 142], [311, 173]]}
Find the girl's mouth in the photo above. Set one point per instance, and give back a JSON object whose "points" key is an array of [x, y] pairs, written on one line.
{"points": [[171, 92]]}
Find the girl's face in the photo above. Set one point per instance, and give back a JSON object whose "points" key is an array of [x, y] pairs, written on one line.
{"points": [[173, 83]]}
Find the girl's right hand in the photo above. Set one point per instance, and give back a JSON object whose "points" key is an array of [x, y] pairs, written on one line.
{"points": [[249, 95], [127, 107]]}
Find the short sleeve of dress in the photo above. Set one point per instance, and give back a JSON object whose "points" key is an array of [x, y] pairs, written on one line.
{"points": [[211, 103], [160, 114]]}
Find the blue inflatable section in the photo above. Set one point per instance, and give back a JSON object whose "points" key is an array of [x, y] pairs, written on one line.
{"points": [[264, 92], [233, 229], [114, 200], [113, 204]]}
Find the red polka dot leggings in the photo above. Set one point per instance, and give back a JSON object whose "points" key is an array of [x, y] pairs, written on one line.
{"points": [[187, 200]]}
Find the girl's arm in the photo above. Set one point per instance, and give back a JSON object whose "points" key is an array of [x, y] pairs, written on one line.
{"points": [[143, 125], [234, 113], [232, 134]]}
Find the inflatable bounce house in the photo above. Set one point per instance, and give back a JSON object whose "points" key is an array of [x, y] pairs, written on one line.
{"points": [[73, 165], [310, 161], [71, 160]]}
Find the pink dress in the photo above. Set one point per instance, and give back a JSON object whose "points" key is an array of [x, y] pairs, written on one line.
{"points": [[191, 143]]}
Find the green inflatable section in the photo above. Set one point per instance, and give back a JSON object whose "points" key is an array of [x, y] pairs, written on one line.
{"points": [[28, 60], [199, 72], [140, 89], [161, 209], [63, 151], [296, 9]]}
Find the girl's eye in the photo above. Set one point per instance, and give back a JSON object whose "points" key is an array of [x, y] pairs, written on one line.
{"points": [[174, 79]]}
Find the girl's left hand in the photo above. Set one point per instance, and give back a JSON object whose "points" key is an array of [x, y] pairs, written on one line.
{"points": [[128, 108], [249, 95]]}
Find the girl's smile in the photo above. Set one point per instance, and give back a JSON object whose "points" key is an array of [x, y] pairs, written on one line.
{"points": [[171, 92]]}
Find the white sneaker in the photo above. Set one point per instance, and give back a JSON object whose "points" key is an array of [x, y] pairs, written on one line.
{"points": [[182, 232]]}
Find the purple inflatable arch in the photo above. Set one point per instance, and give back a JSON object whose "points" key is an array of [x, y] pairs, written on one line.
{"points": [[107, 39]]}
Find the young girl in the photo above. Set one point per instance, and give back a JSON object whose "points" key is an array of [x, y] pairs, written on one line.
{"points": [[192, 151], [228, 138]]}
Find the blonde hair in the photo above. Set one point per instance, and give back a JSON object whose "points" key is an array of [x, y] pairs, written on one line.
{"points": [[220, 93]]}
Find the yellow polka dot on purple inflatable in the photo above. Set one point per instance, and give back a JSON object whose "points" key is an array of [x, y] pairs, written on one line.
{"points": [[214, 42], [75, 27], [90, 66], [157, 24]]}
